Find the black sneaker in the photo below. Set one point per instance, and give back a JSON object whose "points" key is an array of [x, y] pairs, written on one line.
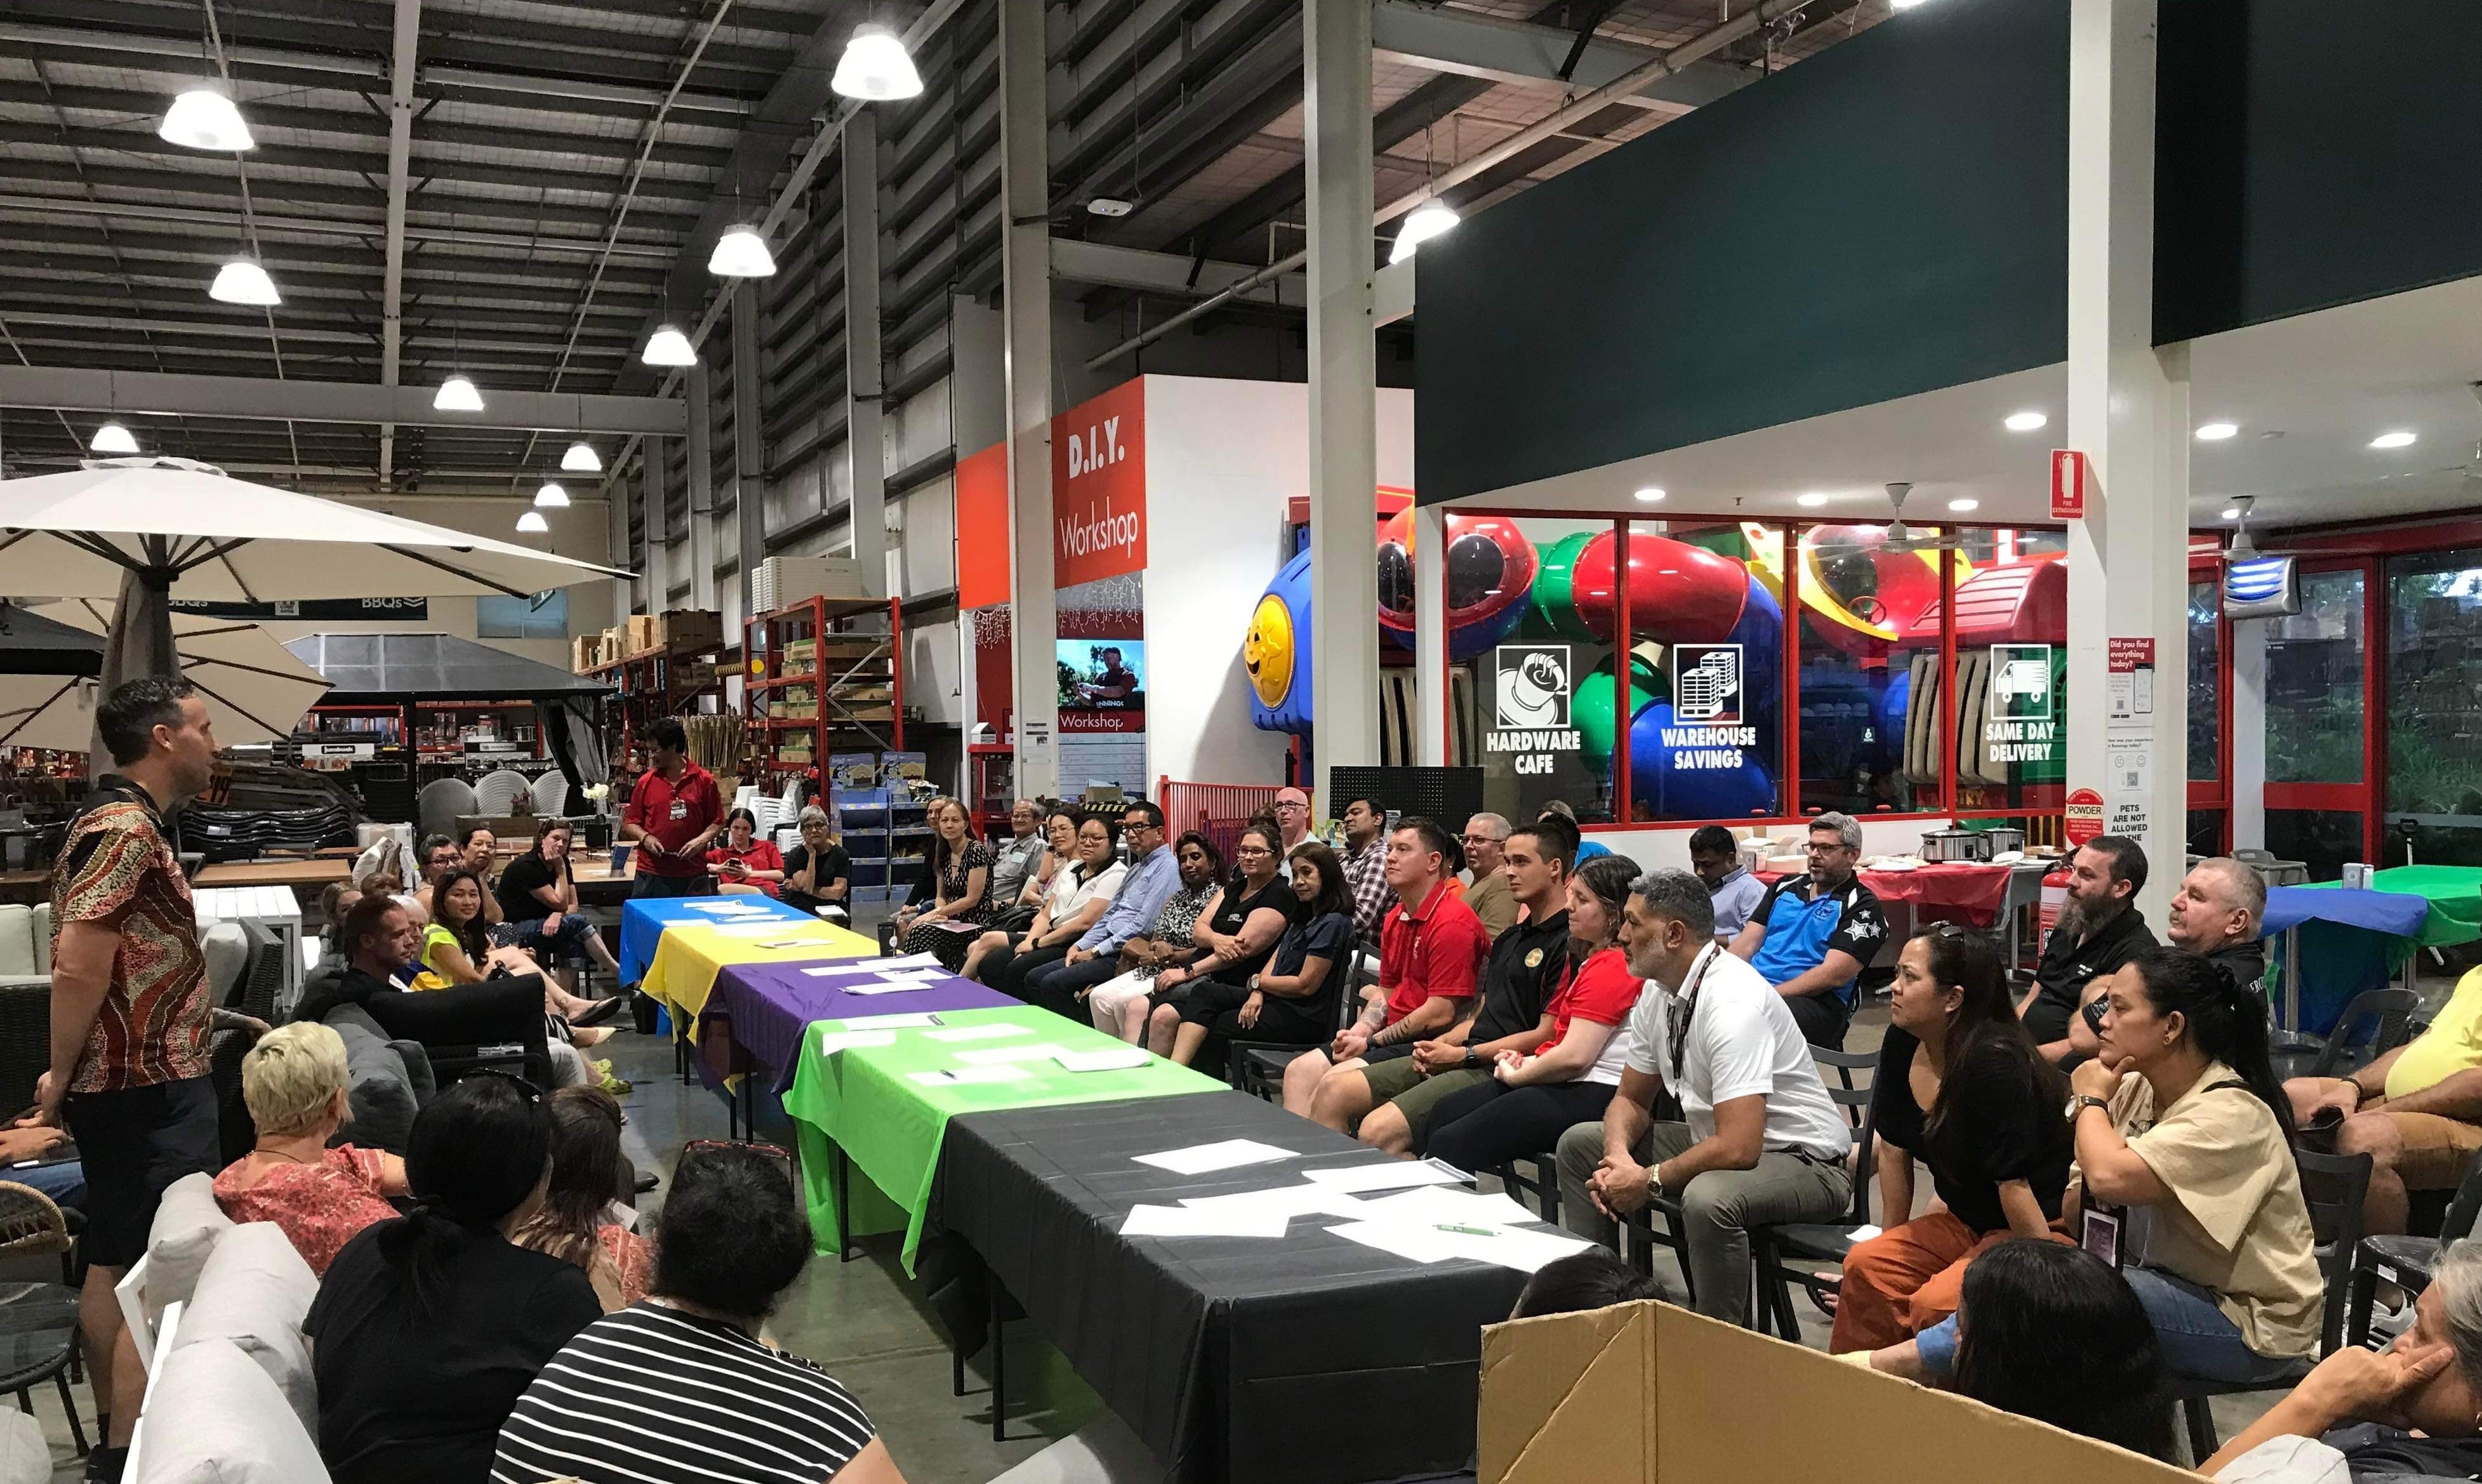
{"points": [[103, 1465]]}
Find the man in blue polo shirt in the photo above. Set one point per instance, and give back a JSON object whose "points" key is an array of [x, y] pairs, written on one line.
{"points": [[1814, 933]]}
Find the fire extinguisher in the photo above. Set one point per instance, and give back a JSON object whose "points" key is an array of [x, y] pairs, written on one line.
{"points": [[2056, 897]]}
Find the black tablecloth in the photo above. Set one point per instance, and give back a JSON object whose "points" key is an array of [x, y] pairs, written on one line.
{"points": [[1308, 1360]]}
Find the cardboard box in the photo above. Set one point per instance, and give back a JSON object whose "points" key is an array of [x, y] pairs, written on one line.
{"points": [[689, 628], [641, 634], [1648, 1393]]}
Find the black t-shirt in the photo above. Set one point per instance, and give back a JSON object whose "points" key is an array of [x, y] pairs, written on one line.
{"points": [[1998, 1128], [1525, 969], [2245, 962], [1233, 905], [833, 865], [2067, 966], [517, 900], [1328, 936], [2373, 1452], [411, 1394]]}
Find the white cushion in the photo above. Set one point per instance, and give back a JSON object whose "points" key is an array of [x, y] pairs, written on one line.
{"points": [[25, 1457], [18, 940], [42, 934], [255, 1293], [188, 1222], [227, 952], [214, 1417]]}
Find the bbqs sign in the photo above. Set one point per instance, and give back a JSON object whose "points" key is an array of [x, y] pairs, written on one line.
{"points": [[1098, 486]]}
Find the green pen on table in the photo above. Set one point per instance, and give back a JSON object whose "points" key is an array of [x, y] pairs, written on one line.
{"points": [[1465, 1231]]}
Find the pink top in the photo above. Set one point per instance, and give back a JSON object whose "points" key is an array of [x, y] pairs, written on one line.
{"points": [[320, 1207], [632, 1256]]}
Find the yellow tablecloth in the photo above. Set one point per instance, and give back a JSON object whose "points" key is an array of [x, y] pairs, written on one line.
{"points": [[691, 954]]}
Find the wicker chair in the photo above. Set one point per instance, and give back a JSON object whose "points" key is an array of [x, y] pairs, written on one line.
{"points": [[38, 1334]]}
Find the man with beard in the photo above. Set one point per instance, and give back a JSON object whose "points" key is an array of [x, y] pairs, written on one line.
{"points": [[2099, 931]]}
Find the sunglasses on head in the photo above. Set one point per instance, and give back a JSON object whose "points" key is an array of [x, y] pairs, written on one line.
{"points": [[533, 1094]]}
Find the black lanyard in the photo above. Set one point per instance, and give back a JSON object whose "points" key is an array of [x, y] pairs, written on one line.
{"points": [[1688, 997]]}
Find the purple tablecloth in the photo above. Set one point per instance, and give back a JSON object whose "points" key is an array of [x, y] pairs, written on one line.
{"points": [[765, 1007]]}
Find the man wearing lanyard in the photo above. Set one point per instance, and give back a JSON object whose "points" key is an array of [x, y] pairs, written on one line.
{"points": [[672, 813], [1813, 934], [1763, 1144], [130, 1014]]}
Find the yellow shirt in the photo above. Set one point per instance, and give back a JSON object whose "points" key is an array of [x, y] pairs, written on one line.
{"points": [[2237, 1224], [2453, 1043], [432, 976]]}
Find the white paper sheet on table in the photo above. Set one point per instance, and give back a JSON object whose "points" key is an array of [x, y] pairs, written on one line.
{"points": [[891, 967], [972, 1074], [1412, 1243], [1003, 1055], [1192, 1221], [1203, 1158], [1289, 1200], [1110, 1059], [769, 926], [1395, 1175], [910, 1017], [1509, 1247], [1436, 1204], [728, 908], [990, 1031], [830, 1041], [888, 986]]}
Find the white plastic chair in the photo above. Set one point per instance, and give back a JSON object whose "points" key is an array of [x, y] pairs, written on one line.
{"points": [[499, 791], [550, 793], [441, 802]]}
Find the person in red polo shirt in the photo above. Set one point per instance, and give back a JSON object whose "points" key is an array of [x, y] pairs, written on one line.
{"points": [[672, 813], [1431, 949]]}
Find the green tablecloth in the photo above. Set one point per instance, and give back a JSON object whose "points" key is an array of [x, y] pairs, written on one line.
{"points": [[864, 1100], [2454, 893]]}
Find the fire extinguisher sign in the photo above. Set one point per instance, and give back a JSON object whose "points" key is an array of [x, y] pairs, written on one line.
{"points": [[2071, 472], [2084, 817]]}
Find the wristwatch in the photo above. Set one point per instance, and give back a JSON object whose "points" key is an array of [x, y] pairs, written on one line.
{"points": [[1473, 1058], [2079, 1103], [1252, 985], [1655, 1177]]}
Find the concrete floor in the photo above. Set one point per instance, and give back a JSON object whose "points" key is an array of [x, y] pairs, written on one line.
{"points": [[865, 1323]]}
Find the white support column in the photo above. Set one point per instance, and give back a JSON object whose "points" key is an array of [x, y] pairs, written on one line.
{"points": [[701, 486], [1431, 635], [654, 456], [1025, 289], [1344, 382], [2128, 409], [748, 442], [2249, 733], [865, 448], [618, 489]]}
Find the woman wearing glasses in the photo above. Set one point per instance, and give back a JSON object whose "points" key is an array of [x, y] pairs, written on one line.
{"points": [[1961, 1085], [1236, 932]]}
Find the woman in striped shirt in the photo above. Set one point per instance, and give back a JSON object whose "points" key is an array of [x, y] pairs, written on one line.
{"points": [[682, 1388]]}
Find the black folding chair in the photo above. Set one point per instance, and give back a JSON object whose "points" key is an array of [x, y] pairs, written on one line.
{"points": [[1257, 1067], [2408, 1261], [2388, 1013], [1822, 1243]]}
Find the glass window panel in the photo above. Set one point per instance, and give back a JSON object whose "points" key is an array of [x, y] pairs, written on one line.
{"points": [[1707, 616], [2435, 701], [1870, 717], [2323, 840], [2205, 679], [543, 616], [1542, 689], [2010, 678], [2313, 685]]}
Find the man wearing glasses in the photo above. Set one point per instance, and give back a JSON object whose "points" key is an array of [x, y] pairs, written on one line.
{"points": [[1292, 820], [1813, 934], [1014, 861], [1153, 876], [1488, 891]]}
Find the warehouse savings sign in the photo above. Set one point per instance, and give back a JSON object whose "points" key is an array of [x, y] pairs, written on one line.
{"points": [[1099, 488]]}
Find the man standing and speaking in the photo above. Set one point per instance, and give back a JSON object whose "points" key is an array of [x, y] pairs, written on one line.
{"points": [[131, 1011]]}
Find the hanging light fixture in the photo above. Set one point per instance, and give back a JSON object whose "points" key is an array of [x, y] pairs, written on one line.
{"points": [[581, 459], [456, 394], [741, 254], [669, 347], [204, 118], [113, 439], [551, 496], [875, 67], [1426, 222], [243, 281], [531, 523]]}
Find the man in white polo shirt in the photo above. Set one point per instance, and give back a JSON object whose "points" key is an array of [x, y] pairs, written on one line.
{"points": [[1763, 1144]]}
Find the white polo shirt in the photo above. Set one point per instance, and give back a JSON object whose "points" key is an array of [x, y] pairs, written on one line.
{"points": [[1742, 1039]]}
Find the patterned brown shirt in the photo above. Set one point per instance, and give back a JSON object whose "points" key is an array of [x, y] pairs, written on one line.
{"points": [[114, 863]]}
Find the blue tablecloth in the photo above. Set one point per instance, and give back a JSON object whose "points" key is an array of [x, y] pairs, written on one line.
{"points": [[2396, 914], [643, 921], [2351, 941]]}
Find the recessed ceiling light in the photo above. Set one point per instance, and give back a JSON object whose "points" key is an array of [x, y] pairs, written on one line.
{"points": [[2396, 439], [456, 394], [1962, 506], [2216, 432], [204, 119], [532, 523], [1811, 501], [2025, 422], [113, 439], [1651, 494], [2230, 513]]}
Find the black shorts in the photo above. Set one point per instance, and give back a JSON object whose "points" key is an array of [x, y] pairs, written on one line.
{"points": [[135, 1142]]}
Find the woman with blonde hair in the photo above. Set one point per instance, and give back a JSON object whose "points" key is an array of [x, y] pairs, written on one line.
{"points": [[294, 1082]]}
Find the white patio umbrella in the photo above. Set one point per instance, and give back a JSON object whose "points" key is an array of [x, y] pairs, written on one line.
{"points": [[130, 528], [256, 688]]}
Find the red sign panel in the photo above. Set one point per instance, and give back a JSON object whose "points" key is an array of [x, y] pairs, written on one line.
{"points": [[982, 537], [2085, 819], [2127, 656], [1098, 486], [2070, 472]]}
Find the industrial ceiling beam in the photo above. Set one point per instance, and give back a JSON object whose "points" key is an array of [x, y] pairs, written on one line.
{"points": [[1166, 273], [1502, 50], [69, 388]]}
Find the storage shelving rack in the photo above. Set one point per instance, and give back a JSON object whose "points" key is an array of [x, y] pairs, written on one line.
{"points": [[815, 684], [659, 682]]}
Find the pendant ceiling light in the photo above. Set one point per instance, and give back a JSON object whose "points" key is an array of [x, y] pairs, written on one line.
{"points": [[204, 119], [581, 459], [875, 67], [1426, 222], [113, 439], [741, 254], [669, 347], [532, 523], [244, 281], [456, 394], [551, 496]]}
